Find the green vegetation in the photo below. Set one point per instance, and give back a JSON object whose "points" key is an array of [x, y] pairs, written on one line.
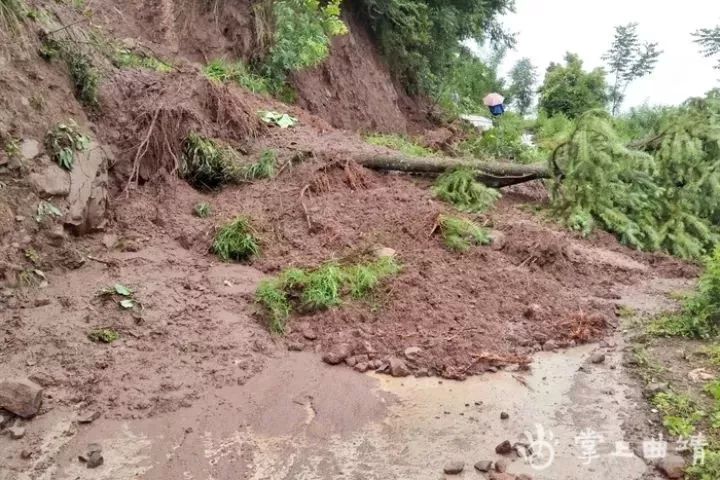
{"points": [[279, 119], [11, 146], [46, 209], [571, 91], [124, 297], [522, 88], [236, 241], [504, 141], [63, 141], [208, 165], [125, 58], [12, 13], [680, 413], [709, 470], [83, 73], [203, 210], [709, 41], [103, 335], [399, 143], [459, 234], [263, 168], [307, 290], [223, 71], [460, 189], [699, 315]]}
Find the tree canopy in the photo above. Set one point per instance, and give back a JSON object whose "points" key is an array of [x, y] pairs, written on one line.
{"points": [[709, 40], [570, 90], [523, 77]]}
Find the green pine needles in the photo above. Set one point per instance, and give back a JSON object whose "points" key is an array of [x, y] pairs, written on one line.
{"points": [[236, 241], [309, 290], [460, 189], [459, 234]]}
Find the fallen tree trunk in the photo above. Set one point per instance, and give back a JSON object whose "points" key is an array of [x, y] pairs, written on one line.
{"points": [[492, 174]]}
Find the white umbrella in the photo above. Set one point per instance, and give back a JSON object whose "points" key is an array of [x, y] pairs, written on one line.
{"points": [[493, 99]]}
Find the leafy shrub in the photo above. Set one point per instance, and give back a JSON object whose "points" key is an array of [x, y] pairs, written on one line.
{"points": [[460, 234], [124, 58], [680, 413], [709, 470], [207, 165], [236, 241], [399, 143], [103, 335], [310, 290], [263, 168], [83, 73], [503, 141], [202, 210], [460, 188], [222, 71], [63, 141]]}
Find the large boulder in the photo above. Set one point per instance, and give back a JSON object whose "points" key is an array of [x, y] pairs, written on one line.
{"points": [[87, 199], [20, 396], [51, 180]]}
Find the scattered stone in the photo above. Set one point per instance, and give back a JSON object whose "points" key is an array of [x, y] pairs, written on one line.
{"points": [[88, 417], [94, 460], [422, 372], [384, 252], [29, 149], [532, 311], [56, 235], [309, 333], [411, 353], [16, 432], [398, 368], [296, 346], [109, 240], [19, 218], [654, 388], [337, 353], [25, 454], [501, 466], [501, 476], [484, 466], [504, 415], [672, 466], [550, 345], [20, 396], [41, 302], [498, 240], [454, 468], [51, 181], [597, 357], [5, 419], [504, 448], [361, 367]]}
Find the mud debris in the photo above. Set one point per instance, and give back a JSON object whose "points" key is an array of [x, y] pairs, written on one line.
{"points": [[88, 417], [398, 368], [337, 353]]}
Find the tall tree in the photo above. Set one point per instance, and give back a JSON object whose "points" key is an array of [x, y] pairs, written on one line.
{"points": [[628, 59], [570, 90], [709, 40], [523, 77]]}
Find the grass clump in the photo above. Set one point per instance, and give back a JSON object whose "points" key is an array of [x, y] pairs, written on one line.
{"points": [[308, 290], [222, 71], [103, 335], [460, 189], [125, 58], [708, 470], [399, 143], [202, 210], [12, 13], [680, 413], [263, 168], [208, 165], [83, 73], [459, 234], [700, 315], [63, 141], [236, 241]]}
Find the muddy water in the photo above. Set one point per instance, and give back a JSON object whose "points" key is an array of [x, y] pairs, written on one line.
{"points": [[300, 419]]}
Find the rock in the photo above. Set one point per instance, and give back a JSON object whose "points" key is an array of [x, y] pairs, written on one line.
{"points": [[309, 333], [550, 345], [501, 465], [56, 235], [337, 353], [398, 368], [296, 346], [375, 364], [361, 367], [51, 181], [504, 448], [454, 468], [532, 311], [109, 240], [88, 417], [87, 199], [504, 415], [597, 357], [25, 454], [16, 432], [42, 302], [484, 466], [654, 388], [29, 149], [501, 476], [384, 252], [94, 460], [411, 353], [20, 396], [498, 240], [672, 466], [422, 372]]}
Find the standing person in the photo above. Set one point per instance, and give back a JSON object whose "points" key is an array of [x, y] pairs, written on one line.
{"points": [[494, 101]]}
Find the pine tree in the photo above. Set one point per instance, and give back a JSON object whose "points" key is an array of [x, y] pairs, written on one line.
{"points": [[709, 40]]}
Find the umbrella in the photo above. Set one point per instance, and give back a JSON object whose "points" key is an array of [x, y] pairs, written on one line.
{"points": [[493, 99]]}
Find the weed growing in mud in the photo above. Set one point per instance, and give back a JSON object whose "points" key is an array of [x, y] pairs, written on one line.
{"points": [[460, 189], [459, 234], [125, 58], [236, 241], [308, 290], [399, 143], [103, 335], [63, 141], [33, 256], [203, 210], [11, 146], [83, 73], [709, 470], [223, 71], [124, 296], [11, 15], [207, 165], [680, 413], [699, 315], [263, 168]]}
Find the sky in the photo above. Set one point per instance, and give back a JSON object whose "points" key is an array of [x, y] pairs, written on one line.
{"points": [[546, 29]]}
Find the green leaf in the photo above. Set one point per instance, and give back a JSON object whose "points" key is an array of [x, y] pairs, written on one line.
{"points": [[122, 290], [127, 304]]}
